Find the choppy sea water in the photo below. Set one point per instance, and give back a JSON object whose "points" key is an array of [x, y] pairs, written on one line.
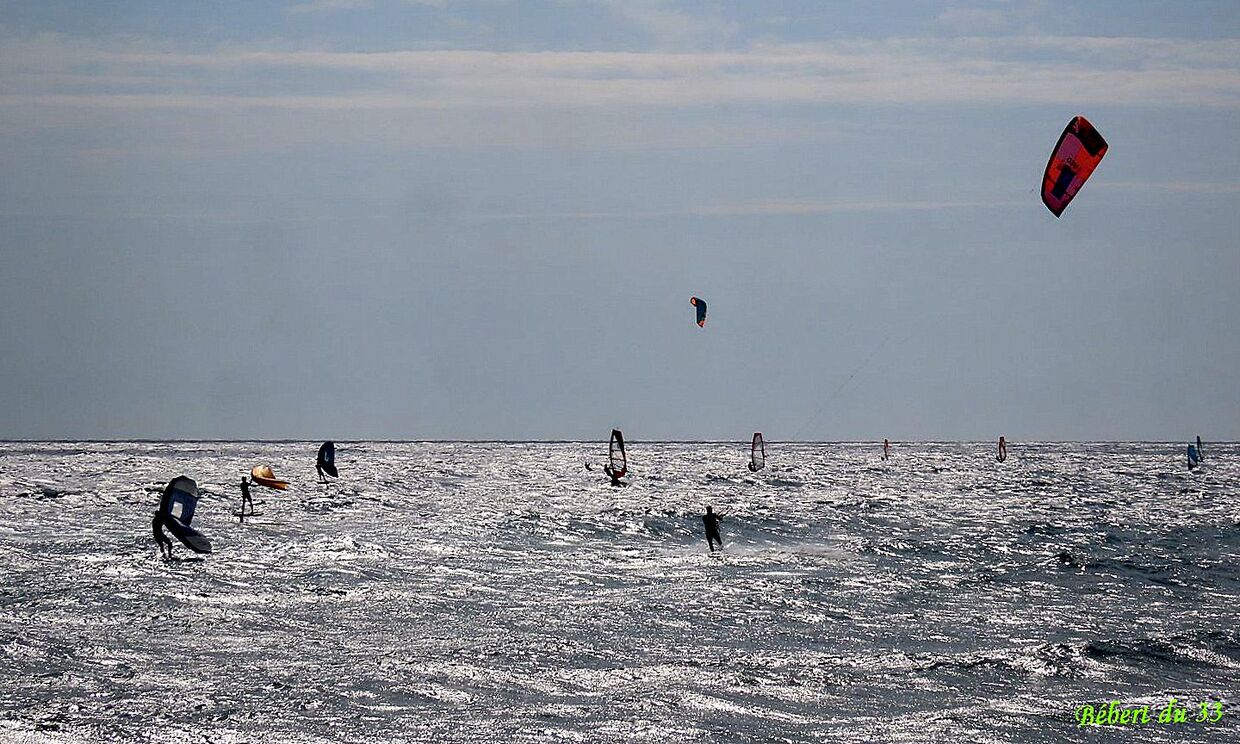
{"points": [[488, 592]]}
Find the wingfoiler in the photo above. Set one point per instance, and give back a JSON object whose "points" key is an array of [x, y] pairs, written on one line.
{"points": [[175, 513], [325, 461]]}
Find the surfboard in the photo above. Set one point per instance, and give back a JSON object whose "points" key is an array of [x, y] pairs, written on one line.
{"points": [[247, 514]]}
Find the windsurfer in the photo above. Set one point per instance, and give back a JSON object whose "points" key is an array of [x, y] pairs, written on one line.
{"points": [[615, 478]]}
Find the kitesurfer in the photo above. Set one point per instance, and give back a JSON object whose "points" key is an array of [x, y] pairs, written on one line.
{"points": [[711, 521], [157, 528]]}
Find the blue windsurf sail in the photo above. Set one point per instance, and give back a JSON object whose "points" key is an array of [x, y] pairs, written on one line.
{"points": [[1192, 457]]}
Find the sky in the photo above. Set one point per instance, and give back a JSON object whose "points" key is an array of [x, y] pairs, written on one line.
{"points": [[483, 219]]}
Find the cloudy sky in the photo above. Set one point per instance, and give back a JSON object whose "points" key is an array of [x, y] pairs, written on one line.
{"points": [[484, 219]]}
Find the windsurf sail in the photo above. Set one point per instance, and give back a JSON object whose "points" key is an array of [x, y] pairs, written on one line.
{"points": [[263, 476], [326, 460], [757, 453], [1192, 457], [176, 511], [1076, 155], [886, 449], [1201, 455], [619, 463], [1002, 450], [700, 304]]}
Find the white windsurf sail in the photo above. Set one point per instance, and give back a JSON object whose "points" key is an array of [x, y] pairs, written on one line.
{"points": [[757, 453], [619, 462]]}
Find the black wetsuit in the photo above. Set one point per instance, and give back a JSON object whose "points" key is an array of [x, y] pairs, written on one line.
{"points": [[615, 479], [157, 529], [711, 521], [245, 497]]}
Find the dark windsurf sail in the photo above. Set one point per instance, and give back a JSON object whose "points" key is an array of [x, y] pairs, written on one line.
{"points": [[757, 453], [176, 511], [1002, 450], [618, 461], [326, 460], [1076, 155], [1192, 457], [1201, 455]]}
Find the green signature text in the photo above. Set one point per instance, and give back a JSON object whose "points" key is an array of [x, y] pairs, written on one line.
{"points": [[1116, 713]]}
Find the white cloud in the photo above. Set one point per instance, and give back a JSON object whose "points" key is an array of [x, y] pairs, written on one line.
{"points": [[334, 6], [675, 29], [48, 81], [1009, 70], [1174, 187], [330, 6]]}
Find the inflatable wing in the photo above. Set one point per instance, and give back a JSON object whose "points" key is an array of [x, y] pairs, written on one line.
{"points": [[700, 304], [1078, 152], [262, 475], [176, 511], [327, 459]]}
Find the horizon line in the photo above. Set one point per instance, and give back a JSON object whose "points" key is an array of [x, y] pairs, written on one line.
{"points": [[1009, 441]]}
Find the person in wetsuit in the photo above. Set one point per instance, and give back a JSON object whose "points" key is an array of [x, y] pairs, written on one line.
{"points": [[157, 528], [615, 479], [711, 521], [246, 498]]}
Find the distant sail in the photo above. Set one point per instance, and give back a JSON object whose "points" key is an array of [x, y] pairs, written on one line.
{"points": [[176, 511], [262, 475], [326, 460], [700, 304], [1201, 454], [886, 449], [1002, 450], [757, 453], [1193, 459], [618, 460], [1076, 155]]}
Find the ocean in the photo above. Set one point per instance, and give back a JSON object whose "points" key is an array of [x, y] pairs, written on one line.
{"points": [[500, 592]]}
